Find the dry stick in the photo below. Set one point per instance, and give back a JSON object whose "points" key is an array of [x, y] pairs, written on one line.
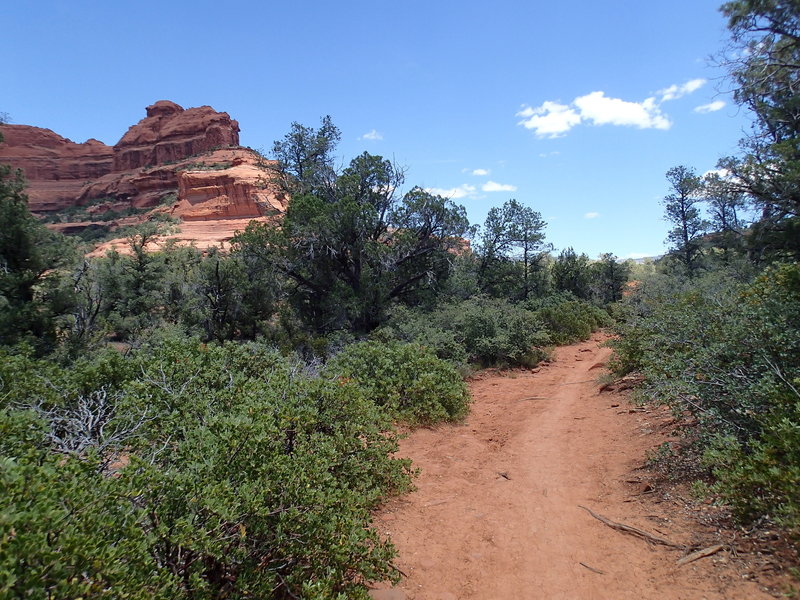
{"points": [[592, 569], [532, 398], [399, 570], [690, 558], [633, 531]]}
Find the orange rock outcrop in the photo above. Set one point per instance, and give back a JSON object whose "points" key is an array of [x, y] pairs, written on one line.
{"points": [[56, 168], [145, 165], [242, 189], [170, 134]]}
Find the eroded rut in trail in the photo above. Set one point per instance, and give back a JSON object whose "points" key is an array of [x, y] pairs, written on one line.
{"points": [[496, 512]]}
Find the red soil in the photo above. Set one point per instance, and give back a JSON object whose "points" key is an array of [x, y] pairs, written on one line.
{"points": [[496, 514]]}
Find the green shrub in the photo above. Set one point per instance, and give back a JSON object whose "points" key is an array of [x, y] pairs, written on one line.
{"points": [[242, 475], [727, 352], [762, 477], [567, 318], [204, 166], [67, 530], [495, 332], [406, 380], [715, 346], [485, 331]]}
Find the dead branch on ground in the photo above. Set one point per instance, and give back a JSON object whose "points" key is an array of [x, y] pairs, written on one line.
{"points": [[634, 531]]}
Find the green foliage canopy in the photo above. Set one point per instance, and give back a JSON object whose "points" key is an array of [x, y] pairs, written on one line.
{"points": [[186, 470], [682, 210], [353, 246], [511, 250], [570, 273], [764, 65], [29, 254]]}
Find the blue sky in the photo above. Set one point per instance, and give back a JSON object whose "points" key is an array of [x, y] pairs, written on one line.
{"points": [[576, 109]]}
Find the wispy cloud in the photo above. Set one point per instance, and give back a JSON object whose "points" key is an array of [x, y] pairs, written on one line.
{"points": [[674, 92], [372, 135], [455, 193], [591, 215], [468, 190], [493, 186], [481, 172], [553, 119], [710, 107]]}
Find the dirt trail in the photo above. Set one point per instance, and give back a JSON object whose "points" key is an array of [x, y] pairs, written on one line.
{"points": [[496, 513]]}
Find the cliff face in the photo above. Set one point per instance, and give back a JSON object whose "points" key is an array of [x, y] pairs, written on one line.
{"points": [[193, 153], [43, 154], [170, 134], [240, 190], [56, 168]]}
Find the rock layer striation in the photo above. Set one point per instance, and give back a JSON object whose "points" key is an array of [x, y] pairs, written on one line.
{"points": [[56, 168], [170, 134], [189, 154]]}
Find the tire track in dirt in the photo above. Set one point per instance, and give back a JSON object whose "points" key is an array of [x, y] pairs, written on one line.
{"points": [[496, 514]]}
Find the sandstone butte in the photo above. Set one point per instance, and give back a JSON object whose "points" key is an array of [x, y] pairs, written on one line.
{"points": [[189, 156]]}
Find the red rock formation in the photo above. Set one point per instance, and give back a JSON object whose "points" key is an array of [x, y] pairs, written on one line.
{"points": [[169, 134], [56, 168], [190, 153], [239, 191], [141, 188], [141, 168], [43, 154]]}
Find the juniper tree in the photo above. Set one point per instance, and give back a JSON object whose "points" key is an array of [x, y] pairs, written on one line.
{"points": [[683, 213]]}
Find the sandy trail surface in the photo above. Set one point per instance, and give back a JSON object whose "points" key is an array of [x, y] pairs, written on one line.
{"points": [[497, 515]]}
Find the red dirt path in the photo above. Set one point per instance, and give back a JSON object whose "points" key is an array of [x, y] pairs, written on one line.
{"points": [[496, 513]]}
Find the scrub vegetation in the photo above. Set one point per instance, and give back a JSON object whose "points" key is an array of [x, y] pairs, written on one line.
{"points": [[714, 328], [206, 424]]}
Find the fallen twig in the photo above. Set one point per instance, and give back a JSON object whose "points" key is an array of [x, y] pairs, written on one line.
{"points": [[690, 558], [652, 539], [592, 569], [437, 502]]}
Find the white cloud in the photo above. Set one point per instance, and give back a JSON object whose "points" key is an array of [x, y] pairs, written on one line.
{"points": [[554, 120], [372, 135], [493, 186], [481, 172], [601, 110], [722, 173], [467, 190], [546, 154], [551, 119], [454, 193], [674, 91], [591, 215], [710, 107]]}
